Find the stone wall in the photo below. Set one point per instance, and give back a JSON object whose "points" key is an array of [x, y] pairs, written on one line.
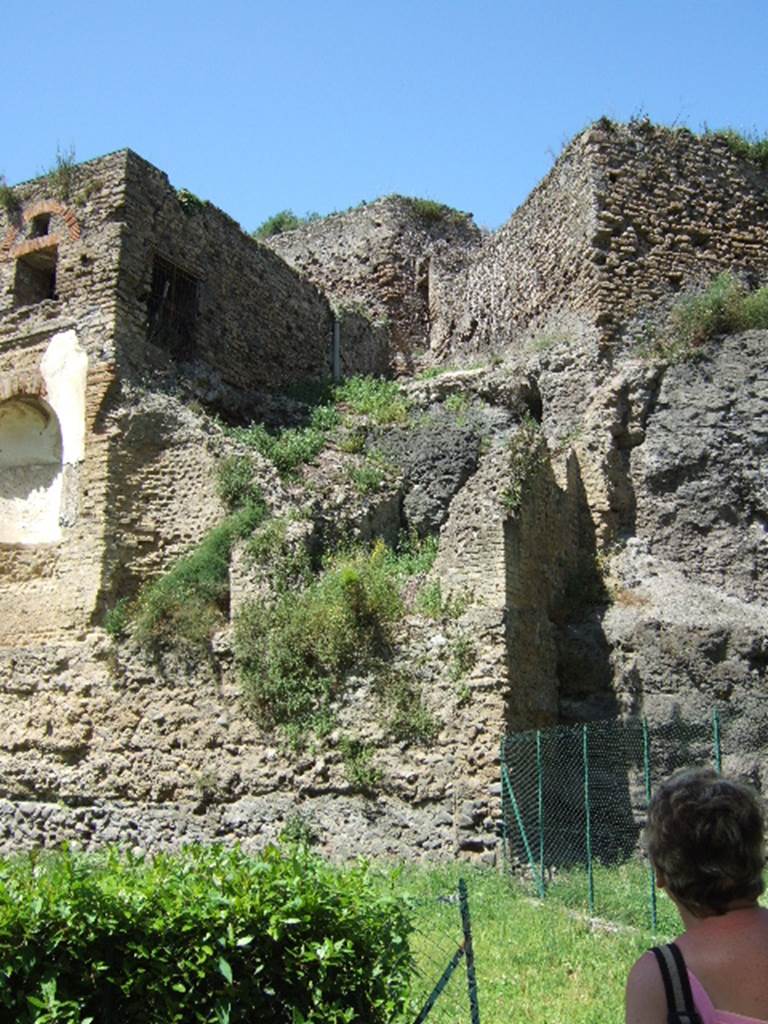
{"points": [[379, 257], [629, 216]]}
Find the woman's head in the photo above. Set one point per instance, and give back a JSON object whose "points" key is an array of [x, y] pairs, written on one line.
{"points": [[705, 838]]}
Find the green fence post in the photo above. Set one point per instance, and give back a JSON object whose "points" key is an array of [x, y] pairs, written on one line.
{"points": [[507, 783], [474, 1009], [540, 801], [716, 741], [588, 824], [647, 779]]}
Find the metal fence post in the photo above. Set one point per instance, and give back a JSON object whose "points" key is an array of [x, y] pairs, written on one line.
{"points": [[716, 741], [647, 779], [540, 802], [588, 824], [507, 785], [474, 1008]]}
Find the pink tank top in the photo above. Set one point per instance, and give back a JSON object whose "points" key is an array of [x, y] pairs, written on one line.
{"points": [[707, 1012]]}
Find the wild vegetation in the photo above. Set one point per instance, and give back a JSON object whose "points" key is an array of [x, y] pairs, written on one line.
{"points": [[724, 307], [748, 147]]}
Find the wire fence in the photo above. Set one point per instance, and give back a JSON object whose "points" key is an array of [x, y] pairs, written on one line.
{"points": [[446, 975], [574, 800]]}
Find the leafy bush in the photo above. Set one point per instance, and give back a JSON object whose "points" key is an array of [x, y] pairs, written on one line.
{"points": [[288, 449], [235, 484], [431, 602], [724, 307], [187, 602], [293, 656], [283, 220], [463, 657], [372, 475], [381, 400], [205, 936], [287, 563], [359, 768]]}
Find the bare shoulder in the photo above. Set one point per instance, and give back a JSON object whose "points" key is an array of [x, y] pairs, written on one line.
{"points": [[646, 1002]]}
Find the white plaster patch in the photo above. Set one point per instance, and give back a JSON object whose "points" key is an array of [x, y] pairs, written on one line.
{"points": [[30, 472], [64, 368]]}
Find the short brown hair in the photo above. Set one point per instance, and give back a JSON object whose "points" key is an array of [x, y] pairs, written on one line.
{"points": [[705, 834]]}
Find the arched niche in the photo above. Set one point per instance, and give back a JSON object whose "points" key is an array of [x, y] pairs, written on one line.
{"points": [[30, 471]]}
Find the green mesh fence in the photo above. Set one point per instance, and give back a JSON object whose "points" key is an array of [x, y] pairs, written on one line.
{"points": [[574, 800]]}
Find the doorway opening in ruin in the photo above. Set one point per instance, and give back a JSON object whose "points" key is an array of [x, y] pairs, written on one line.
{"points": [[35, 279], [30, 471], [172, 307]]}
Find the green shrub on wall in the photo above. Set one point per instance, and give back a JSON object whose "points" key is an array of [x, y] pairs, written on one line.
{"points": [[725, 307], [293, 655], [205, 936]]}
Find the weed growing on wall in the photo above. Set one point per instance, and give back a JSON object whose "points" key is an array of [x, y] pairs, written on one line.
{"points": [[372, 475], [205, 935], [407, 717], [463, 656], [288, 449], [527, 454], [382, 401], [61, 176], [430, 212], [9, 201], [294, 655], [236, 486], [359, 769], [724, 307], [747, 147]]}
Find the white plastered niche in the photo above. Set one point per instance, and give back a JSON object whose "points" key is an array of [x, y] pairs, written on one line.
{"points": [[41, 444]]}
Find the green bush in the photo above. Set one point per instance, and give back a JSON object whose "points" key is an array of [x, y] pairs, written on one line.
{"points": [[283, 220], [527, 455], [287, 449], [381, 400], [61, 176], [186, 604], [372, 474], [236, 486], [723, 308], [359, 768], [292, 656], [205, 936], [408, 718]]}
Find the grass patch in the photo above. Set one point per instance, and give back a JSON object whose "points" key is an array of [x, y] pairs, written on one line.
{"points": [[372, 475], [188, 602], [431, 601], [535, 961], [748, 147], [236, 486], [725, 307]]}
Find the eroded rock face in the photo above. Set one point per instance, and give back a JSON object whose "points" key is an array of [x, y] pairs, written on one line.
{"points": [[701, 475]]}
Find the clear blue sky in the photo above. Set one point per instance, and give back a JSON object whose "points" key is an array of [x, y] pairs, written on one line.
{"points": [[259, 106]]}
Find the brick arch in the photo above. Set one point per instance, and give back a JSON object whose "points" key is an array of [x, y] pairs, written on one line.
{"points": [[9, 249]]}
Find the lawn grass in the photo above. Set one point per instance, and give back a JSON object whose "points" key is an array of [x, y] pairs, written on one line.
{"points": [[535, 961]]}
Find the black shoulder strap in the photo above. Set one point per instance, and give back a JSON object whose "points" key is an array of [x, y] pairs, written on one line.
{"points": [[676, 985]]}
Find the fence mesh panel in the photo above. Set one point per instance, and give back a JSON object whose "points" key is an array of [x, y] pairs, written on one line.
{"points": [[574, 800]]}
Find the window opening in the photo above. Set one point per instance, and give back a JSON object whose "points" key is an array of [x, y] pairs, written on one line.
{"points": [[172, 307], [35, 278], [40, 225]]}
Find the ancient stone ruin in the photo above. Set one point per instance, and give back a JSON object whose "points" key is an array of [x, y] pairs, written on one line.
{"points": [[624, 572]]}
